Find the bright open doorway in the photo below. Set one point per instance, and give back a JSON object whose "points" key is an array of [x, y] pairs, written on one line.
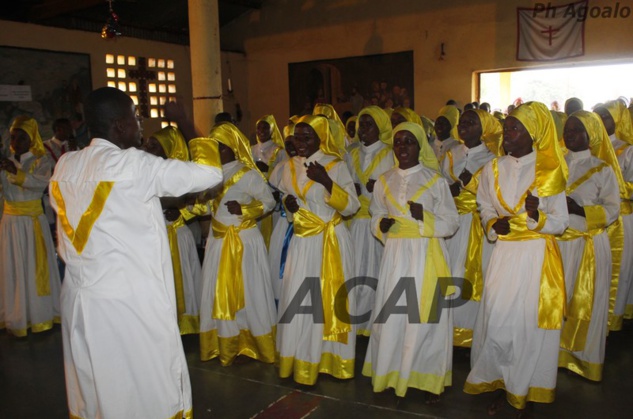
{"points": [[592, 84]]}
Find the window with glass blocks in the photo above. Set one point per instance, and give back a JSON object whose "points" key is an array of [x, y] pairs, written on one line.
{"points": [[150, 82]]}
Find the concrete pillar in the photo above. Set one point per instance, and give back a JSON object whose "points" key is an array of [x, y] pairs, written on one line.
{"points": [[206, 74]]}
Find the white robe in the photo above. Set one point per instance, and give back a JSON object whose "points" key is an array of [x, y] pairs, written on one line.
{"points": [[441, 147], [191, 274], [465, 312], [21, 307], [403, 354], [55, 149], [251, 333], [509, 350], [367, 249], [122, 350], [601, 189], [303, 352], [624, 298], [277, 237], [270, 154]]}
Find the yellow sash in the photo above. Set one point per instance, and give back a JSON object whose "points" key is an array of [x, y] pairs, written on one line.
{"points": [[225, 187], [466, 203], [574, 333], [552, 298], [79, 237], [307, 224], [229, 287], [172, 234], [435, 265], [34, 209]]}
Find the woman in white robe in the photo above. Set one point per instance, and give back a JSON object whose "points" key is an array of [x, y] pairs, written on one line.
{"points": [[237, 313], [268, 152], [412, 211], [319, 191], [170, 143], [593, 201], [617, 121], [521, 198], [366, 163], [469, 250], [281, 237], [29, 276]]}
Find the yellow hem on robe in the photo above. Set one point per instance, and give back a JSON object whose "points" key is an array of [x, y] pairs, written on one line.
{"points": [[462, 337], [628, 312], [615, 322], [305, 372], [189, 324], [180, 415], [585, 369], [261, 348], [35, 328], [363, 332], [535, 394], [426, 382]]}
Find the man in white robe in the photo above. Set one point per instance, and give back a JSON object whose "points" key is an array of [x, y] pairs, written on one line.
{"points": [[123, 355]]}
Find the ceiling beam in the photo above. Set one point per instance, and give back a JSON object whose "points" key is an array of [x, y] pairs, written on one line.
{"points": [[53, 8]]}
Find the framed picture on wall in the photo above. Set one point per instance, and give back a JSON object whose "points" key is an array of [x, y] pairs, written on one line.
{"points": [[45, 85], [350, 84]]}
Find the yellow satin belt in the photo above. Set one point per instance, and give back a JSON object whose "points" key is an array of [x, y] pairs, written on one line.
{"points": [[34, 209], [307, 224], [172, 234], [466, 203], [363, 212], [229, 287], [616, 239], [552, 298], [574, 333], [435, 267]]}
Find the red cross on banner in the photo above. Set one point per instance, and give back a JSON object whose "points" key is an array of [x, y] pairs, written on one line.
{"points": [[547, 33]]}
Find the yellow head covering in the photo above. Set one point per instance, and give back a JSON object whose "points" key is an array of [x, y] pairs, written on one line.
{"points": [[353, 119], [29, 125], [173, 143], [408, 114], [274, 130], [428, 125], [551, 169], [320, 125], [382, 120], [288, 131], [622, 118], [337, 129], [559, 121], [389, 111], [427, 156], [294, 119], [499, 115], [451, 113], [601, 146], [229, 135], [491, 131]]}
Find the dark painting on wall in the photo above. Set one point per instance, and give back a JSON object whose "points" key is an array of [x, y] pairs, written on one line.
{"points": [[350, 84], [58, 83]]}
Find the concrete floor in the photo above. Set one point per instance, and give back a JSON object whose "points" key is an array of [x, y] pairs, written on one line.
{"points": [[32, 386]]}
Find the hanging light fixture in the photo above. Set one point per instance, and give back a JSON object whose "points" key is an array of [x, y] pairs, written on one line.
{"points": [[111, 28]]}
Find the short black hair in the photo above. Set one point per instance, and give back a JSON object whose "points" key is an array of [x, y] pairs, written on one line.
{"points": [[223, 117], [104, 106], [60, 121]]}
